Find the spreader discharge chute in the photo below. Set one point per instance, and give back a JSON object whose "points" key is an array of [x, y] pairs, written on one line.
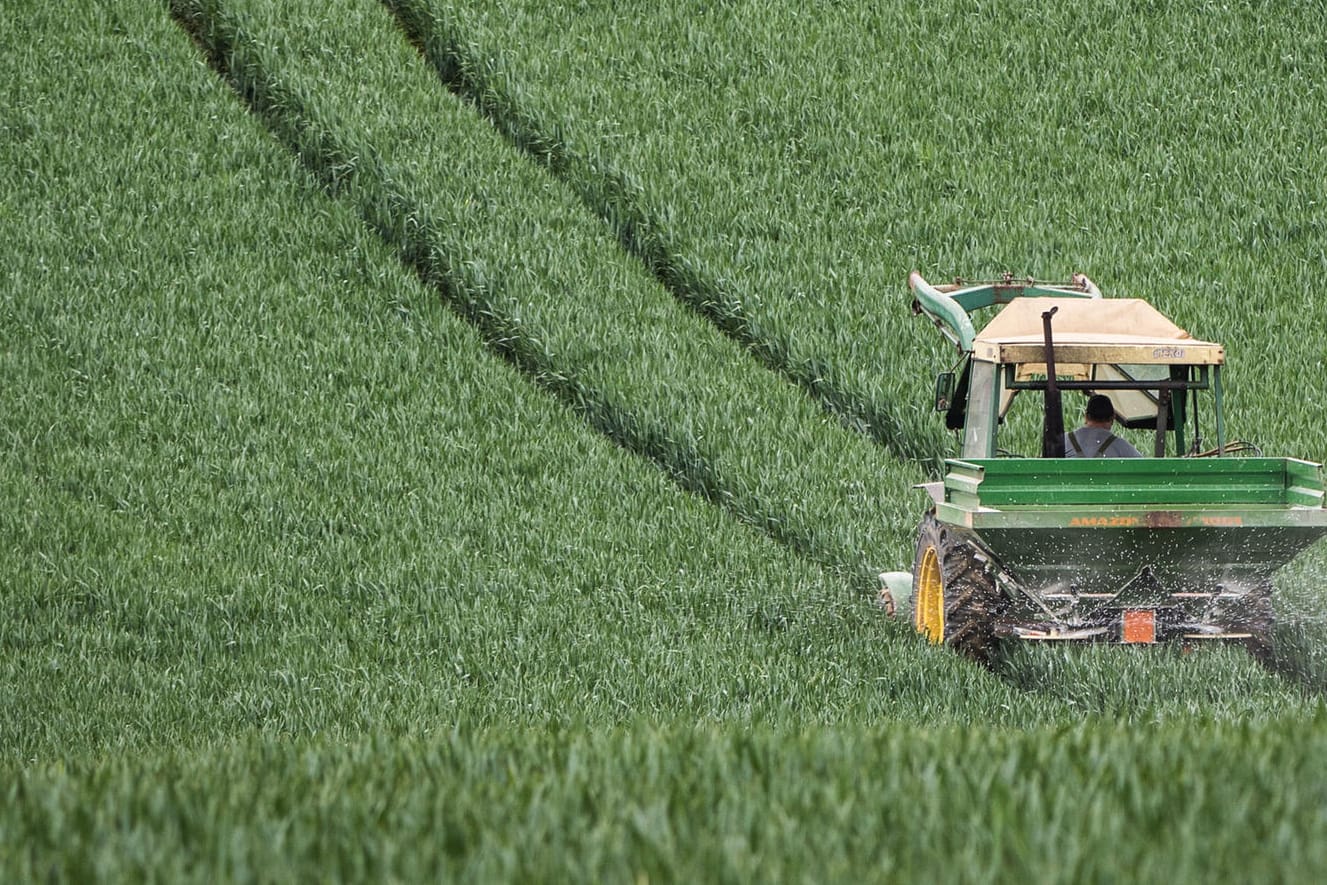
{"points": [[1070, 541]]}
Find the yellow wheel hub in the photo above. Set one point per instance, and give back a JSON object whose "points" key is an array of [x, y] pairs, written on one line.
{"points": [[931, 598]]}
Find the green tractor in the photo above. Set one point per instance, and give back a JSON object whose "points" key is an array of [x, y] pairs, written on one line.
{"points": [[1177, 545]]}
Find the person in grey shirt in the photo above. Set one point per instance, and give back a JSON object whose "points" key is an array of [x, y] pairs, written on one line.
{"points": [[1094, 439]]}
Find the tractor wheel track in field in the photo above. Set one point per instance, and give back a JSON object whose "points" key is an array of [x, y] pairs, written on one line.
{"points": [[610, 195], [427, 252]]}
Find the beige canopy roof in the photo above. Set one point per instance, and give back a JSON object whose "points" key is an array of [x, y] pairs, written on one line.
{"points": [[1091, 330]]}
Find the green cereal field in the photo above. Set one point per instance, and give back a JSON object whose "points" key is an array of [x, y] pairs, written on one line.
{"points": [[458, 441]]}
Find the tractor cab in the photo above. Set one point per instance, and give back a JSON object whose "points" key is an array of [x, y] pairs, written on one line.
{"points": [[1157, 376]]}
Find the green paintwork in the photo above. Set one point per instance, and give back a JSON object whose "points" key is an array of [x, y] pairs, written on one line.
{"points": [[944, 309], [1197, 523], [1153, 482]]}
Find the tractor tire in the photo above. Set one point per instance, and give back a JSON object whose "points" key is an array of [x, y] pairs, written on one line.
{"points": [[955, 600]]}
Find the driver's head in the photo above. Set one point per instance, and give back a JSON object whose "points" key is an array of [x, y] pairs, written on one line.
{"points": [[1100, 408]]}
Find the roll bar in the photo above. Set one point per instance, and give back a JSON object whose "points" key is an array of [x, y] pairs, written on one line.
{"points": [[949, 306]]}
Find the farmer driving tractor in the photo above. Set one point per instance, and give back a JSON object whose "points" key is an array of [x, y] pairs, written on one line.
{"points": [[1095, 439]]}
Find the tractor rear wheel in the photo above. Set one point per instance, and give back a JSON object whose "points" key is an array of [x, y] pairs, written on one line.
{"points": [[955, 600]]}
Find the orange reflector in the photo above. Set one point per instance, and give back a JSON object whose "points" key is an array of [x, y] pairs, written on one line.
{"points": [[1140, 625]]}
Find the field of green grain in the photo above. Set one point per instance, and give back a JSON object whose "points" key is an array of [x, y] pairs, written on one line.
{"points": [[799, 159], [455, 441]]}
